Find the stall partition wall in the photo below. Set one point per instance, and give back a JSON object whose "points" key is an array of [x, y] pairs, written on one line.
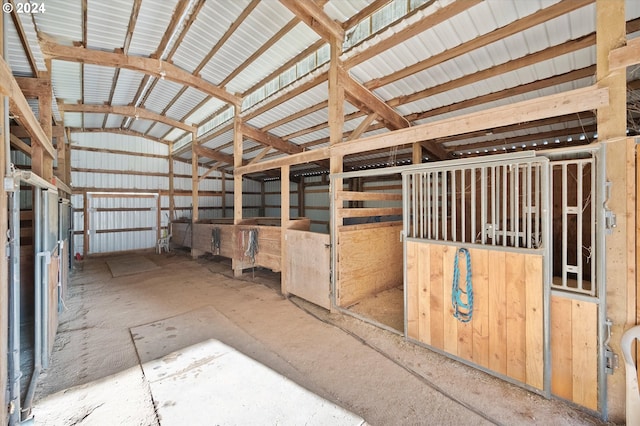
{"points": [[121, 221], [527, 326]]}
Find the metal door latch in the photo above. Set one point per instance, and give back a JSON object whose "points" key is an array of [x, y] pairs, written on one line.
{"points": [[610, 220], [611, 358]]}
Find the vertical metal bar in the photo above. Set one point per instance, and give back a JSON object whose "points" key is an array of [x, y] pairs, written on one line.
{"points": [[417, 207], [594, 248], [483, 204], [454, 205], [548, 272], [46, 212], [463, 207], [516, 206], [473, 200], [579, 193], [564, 225], [429, 205], [601, 280], [445, 198], [512, 214], [529, 207], [414, 202], [14, 370], [422, 202], [505, 202], [437, 181], [537, 211], [494, 191]]}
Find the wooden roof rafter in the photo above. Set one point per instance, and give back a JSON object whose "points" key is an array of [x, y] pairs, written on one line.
{"points": [[118, 131], [314, 16], [23, 40]]}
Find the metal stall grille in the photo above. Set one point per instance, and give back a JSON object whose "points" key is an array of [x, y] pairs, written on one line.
{"points": [[490, 203], [573, 182]]}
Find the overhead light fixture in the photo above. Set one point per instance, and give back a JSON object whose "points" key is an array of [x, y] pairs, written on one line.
{"points": [[162, 75]]}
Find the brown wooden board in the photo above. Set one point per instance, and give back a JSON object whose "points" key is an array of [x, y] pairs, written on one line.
{"points": [[505, 334], [561, 345]]}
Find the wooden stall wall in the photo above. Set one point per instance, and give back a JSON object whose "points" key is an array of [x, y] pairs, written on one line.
{"points": [[506, 333], [574, 350], [369, 260], [232, 244]]}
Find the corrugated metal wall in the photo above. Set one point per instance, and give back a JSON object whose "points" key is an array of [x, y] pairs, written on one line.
{"points": [[107, 162]]}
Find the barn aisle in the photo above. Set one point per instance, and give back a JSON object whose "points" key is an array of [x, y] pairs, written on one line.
{"points": [[114, 326]]}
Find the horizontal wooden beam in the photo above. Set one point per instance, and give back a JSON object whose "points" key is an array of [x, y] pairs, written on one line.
{"points": [[578, 100], [21, 110], [266, 138], [34, 87], [625, 56], [276, 163], [149, 66], [117, 131], [17, 143], [128, 111], [213, 154], [367, 196], [370, 211]]}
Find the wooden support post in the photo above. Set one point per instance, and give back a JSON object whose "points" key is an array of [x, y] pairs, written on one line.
{"points": [[67, 159], [172, 200], [223, 179], [301, 203], [237, 184], [417, 153], [620, 160], [45, 113], [336, 125], [263, 200], [285, 204], [159, 216], [195, 197]]}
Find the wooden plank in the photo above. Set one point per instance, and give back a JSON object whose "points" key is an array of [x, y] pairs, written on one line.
{"points": [[561, 345], [449, 321], [370, 211], [534, 321], [516, 327], [497, 312], [584, 349], [424, 293], [480, 322], [413, 286], [437, 300], [369, 261], [367, 196]]}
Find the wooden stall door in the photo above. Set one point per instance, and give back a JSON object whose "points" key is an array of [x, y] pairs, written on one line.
{"points": [[308, 263]]}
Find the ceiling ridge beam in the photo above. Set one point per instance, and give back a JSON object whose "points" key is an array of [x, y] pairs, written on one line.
{"points": [[148, 66]]}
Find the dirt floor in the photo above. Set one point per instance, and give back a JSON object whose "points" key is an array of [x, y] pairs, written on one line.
{"points": [[386, 307], [95, 374]]}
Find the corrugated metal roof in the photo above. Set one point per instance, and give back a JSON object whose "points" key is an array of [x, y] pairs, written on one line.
{"points": [[126, 87], [153, 21], [109, 23], [62, 20], [187, 102], [98, 81], [161, 95], [65, 78]]}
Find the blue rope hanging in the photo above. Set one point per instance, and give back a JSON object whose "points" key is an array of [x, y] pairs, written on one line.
{"points": [[461, 310]]}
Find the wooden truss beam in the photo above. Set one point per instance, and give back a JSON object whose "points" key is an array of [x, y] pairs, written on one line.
{"points": [[21, 109], [118, 131], [213, 154], [313, 15], [365, 100], [128, 111], [268, 139], [153, 67]]}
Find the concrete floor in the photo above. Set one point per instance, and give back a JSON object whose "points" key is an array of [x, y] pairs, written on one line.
{"points": [[96, 374]]}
